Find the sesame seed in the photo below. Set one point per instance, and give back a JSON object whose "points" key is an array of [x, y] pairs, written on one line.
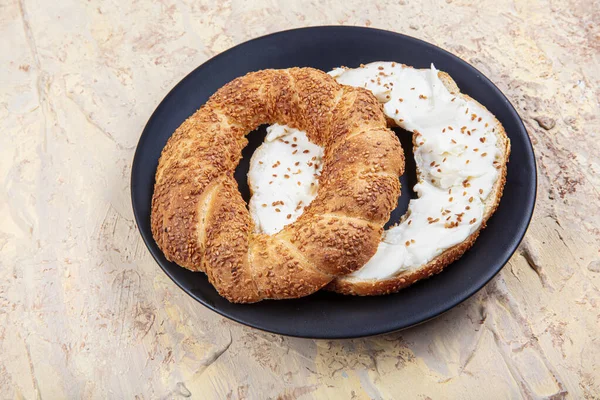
{"points": [[422, 96], [305, 152], [483, 154], [277, 210], [289, 216]]}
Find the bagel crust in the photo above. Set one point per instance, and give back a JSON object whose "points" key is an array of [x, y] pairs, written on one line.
{"points": [[200, 221]]}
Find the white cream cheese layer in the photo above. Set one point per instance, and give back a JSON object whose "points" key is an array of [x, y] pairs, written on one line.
{"points": [[455, 150], [283, 178]]}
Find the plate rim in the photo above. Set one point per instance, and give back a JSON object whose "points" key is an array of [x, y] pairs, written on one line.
{"points": [[400, 325]]}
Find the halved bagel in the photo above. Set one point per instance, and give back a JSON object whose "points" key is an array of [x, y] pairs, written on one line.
{"points": [[354, 284], [200, 221]]}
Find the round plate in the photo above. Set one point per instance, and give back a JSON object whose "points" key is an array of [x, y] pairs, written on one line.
{"points": [[324, 314]]}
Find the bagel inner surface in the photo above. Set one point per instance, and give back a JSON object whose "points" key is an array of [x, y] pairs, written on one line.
{"points": [[283, 178]]}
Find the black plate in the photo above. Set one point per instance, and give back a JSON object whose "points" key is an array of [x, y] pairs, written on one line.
{"points": [[328, 315]]}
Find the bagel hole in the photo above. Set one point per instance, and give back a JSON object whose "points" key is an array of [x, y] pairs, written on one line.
{"points": [[407, 181], [255, 139]]}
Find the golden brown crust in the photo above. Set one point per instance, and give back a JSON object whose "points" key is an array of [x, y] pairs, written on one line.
{"points": [[200, 221], [346, 285]]}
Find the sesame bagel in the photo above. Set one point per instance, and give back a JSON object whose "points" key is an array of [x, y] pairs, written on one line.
{"points": [[200, 221]]}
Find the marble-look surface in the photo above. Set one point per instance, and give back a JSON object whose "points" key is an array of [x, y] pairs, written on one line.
{"points": [[86, 313]]}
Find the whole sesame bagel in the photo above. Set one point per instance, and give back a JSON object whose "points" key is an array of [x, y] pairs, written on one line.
{"points": [[200, 221]]}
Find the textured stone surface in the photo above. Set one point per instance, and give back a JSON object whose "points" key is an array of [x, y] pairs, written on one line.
{"points": [[84, 312]]}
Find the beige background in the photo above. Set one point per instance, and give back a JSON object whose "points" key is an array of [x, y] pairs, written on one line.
{"points": [[86, 313]]}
